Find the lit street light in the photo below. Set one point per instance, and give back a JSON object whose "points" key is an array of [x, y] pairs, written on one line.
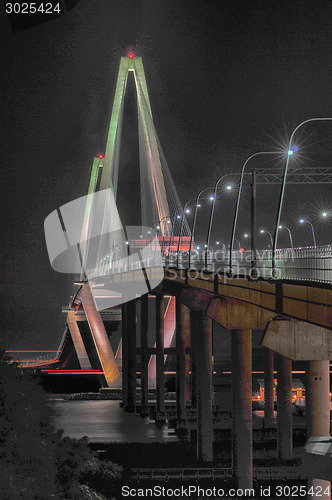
{"points": [[263, 231], [173, 227], [194, 220], [187, 211], [290, 235], [239, 197], [303, 221], [213, 198], [282, 190]]}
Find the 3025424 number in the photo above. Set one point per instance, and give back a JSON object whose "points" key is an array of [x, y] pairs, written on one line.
{"points": [[301, 491], [33, 8]]}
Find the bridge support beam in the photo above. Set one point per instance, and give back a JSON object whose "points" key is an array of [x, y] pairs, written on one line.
{"points": [[182, 361], [160, 373], [193, 360], [318, 412], [242, 407], [268, 387], [144, 355], [131, 354], [284, 410], [124, 356], [202, 326]]}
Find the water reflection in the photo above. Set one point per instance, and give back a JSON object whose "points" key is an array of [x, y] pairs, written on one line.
{"points": [[105, 421]]}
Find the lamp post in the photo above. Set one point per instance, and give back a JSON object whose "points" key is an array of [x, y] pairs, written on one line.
{"points": [[173, 225], [282, 190], [303, 221], [229, 187], [167, 222], [238, 201], [185, 211], [223, 246], [290, 235], [246, 236], [263, 231], [194, 221]]}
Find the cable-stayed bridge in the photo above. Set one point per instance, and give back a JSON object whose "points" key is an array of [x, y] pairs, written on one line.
{"points": [[153, 281]]}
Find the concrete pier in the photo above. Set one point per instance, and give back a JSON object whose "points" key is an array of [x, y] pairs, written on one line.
{"points": [[160, 374], [284, 410], [124, 357], [268, 387], [182, 360], [203, 337], [318, 414], [131, 354], [144, 354], [242, 407]]}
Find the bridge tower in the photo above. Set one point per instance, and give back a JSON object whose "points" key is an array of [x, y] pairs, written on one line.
{"points": [[157, 188], [105, 170]]}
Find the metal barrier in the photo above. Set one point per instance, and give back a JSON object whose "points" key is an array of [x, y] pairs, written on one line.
{"points": [[312, 264]]}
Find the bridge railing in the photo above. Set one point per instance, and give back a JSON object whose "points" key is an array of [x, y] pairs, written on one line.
{"points": [[305, 263]]}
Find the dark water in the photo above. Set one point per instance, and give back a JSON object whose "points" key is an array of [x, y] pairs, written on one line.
{"points": [[105, 421]]}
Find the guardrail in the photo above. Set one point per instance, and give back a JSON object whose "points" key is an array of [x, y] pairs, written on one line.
{"points": [[199, 473], [312, 264]]}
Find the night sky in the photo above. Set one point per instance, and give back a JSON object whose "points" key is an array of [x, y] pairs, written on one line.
{"points": [[225, 79]]}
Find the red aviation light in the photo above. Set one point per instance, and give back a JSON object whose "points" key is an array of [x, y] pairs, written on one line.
{"points": [[131, 55], [100, 156]]}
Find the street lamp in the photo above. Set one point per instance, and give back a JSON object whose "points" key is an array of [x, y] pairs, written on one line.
{"points": [[263, 231], [303, 221], [166, 222], [290, 235], [238, 200], [282, 190], [173, 226], [187, 211], [194, 221], [213, 198]]}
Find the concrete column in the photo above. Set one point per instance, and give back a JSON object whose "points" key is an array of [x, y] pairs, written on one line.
{"points": [[182, 361], [318, 412], [193, 360], [131, 346], [242, 407], [268, 387], [160, 375], [203, 336], [284, 409], [144, 355], [124, 356]]}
